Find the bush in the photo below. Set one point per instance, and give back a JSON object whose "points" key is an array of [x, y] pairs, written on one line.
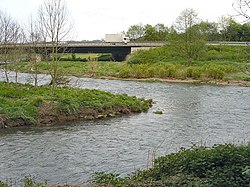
{"points": [[125, 71], [213, 71], [144, 56], [171, 71], [194, 72]]}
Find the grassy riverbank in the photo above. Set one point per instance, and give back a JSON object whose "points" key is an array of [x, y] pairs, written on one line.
{"points": [[221, 165], [26, 105], [221, 64]]}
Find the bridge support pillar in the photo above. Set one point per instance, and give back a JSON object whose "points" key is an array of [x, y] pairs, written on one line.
{"points": [[119, 56]]}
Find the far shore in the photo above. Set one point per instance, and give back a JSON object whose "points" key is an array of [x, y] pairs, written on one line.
{"points": [[168, 80]]}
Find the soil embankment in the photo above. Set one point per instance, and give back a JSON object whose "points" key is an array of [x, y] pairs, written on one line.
{"points": [[48, 116]]}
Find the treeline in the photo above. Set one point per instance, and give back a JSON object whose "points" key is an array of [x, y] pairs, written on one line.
{"points": [[226, 29]]}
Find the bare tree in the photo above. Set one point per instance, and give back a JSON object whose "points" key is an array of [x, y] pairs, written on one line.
{"points": [[242, 7], [54, 26], [9, 30], [17, 41], [34, 38]]}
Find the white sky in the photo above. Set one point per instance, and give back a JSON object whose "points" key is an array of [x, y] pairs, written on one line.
{"points": [[95, 18]]}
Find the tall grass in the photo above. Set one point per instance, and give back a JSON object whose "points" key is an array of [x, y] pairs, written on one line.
{"points": [[176, 71]]}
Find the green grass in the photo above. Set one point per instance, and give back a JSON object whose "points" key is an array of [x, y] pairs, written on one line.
{"points": [[81, 55], [19, 101], [221, 165], [199, 70], [27, 182], [79, 69]]}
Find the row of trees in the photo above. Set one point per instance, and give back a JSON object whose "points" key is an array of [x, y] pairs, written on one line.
{"points": [[189, 34], [226, 29], [45, 33]]}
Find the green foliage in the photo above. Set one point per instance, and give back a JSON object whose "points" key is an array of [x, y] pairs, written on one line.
{"points": [[108, 178], [26, 182], [31, 182], [4, 184], [246, 79], [147, 32], [105, 57], [144, 56], [220, 52], [22, 101], [194, 72], [177, 71], [221, 165]]}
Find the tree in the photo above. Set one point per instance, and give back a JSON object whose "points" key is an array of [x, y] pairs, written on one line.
{"points": [[9, 38], [210, 30], [136, 32], [188, 39], [16, 53], [242, 7], [54, 27], [162, 31], [150, 34], [34, 39], [245, 29]]}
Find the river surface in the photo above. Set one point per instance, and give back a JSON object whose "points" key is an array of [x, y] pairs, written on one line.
{"points": [[72, 152]]}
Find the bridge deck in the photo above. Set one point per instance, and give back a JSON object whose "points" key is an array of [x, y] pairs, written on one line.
{"points": [[106, 44]]}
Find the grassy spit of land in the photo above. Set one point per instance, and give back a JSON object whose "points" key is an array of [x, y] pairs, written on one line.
{"points": [[218, 64], [26, 105]]}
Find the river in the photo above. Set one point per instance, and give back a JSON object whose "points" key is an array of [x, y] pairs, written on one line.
{"points": [[72, 152]]}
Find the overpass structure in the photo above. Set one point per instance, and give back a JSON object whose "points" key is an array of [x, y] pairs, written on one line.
{"points": [[119, 51]]}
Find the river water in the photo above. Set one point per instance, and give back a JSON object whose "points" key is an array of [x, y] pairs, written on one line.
{"points": [[71, 152]]}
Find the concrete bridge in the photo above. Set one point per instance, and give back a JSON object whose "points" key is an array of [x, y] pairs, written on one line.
{"points": [[119, 51]]}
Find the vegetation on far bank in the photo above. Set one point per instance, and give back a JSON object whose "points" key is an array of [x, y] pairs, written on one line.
{"points": [[216, 63], [221, 165], [27, 104]]}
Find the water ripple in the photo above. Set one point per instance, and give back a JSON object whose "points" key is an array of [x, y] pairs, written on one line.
{"points": [[70, 153]]}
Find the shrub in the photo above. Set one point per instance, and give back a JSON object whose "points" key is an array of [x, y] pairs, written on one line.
{"points": [[213, 71], [171, 71], [144, 56], [125, 71], [194, 72]]}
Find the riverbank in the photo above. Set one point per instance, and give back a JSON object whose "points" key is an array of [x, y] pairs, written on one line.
{"points": [[23, 105], [219, 165], [188, 81], [203, 72]]}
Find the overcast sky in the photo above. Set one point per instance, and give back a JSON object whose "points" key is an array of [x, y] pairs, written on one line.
{"points": [[95, 18]]}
